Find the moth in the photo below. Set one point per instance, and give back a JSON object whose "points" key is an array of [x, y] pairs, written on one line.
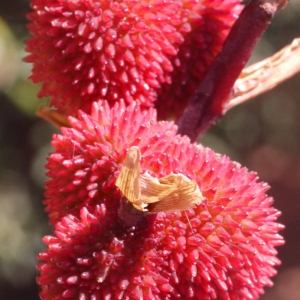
{"points": [[174, 192]]}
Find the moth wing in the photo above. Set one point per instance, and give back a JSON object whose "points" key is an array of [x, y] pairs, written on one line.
{"points": [[152, 190], [182, 194], [128, 180]]}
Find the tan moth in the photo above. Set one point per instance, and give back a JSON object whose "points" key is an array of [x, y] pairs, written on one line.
{"points": [[174, 192]]}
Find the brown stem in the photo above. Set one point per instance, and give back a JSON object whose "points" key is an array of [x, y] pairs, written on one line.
{"points": [[207, 104]]}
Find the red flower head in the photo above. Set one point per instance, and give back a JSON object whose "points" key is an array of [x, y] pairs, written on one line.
{"points": [[83, 51], [223, 248]]}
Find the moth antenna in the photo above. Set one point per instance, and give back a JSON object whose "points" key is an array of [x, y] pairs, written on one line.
{"points": [[187, 217]]}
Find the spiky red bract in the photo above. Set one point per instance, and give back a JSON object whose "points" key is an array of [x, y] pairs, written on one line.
{"points": [[222, 249], [86, 50]]}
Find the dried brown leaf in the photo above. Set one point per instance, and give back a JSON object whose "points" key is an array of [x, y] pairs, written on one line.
{"points": [[267, 74], [53, 116]]}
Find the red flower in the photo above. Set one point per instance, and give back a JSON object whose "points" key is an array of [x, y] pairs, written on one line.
{"points": [[83, 51], [222, 249]]}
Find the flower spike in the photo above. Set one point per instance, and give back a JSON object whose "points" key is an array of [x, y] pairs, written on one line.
{"points": [[85, 50], [223, 247]]}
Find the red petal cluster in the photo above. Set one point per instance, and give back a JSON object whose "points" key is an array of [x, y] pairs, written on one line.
{"points": [[83, 51], [222, 249]]}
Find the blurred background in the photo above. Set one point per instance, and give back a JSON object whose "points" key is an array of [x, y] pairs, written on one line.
{"points": [[263, 134]]}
